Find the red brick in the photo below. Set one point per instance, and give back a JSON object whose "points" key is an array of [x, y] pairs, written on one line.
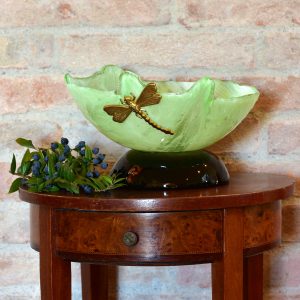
{"points": [[194, 13], [281, 294], [11, 49], [18, 265], [5, 182], [297, 187], [281, 50], [282, 266], [193, 49], [186, 276], [145, 278], [277, 167], [276, 93], [291, 223], [14, 219], [40, 51], [41, 131], [21, 292], [27, 93], [245, 138], [203, 294], [20, 13], [285, 167], [284, 137], [17, 51], [164, 283]]}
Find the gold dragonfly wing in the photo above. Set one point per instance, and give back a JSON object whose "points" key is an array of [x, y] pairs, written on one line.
{"points": [[148, 96], [119, 112]]}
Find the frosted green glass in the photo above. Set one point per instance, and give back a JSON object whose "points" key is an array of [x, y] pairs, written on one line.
{"points": [[200, 113]]}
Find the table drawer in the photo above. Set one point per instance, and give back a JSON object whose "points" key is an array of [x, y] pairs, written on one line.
{"points": [[138, 234]]}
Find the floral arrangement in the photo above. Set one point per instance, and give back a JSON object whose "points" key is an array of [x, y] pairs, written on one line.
{"points": [[61, 167]]}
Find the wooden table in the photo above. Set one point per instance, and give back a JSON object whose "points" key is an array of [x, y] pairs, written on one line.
{"points": [[229, 226]]}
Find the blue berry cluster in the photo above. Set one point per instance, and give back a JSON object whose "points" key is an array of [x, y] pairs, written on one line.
{"points": [[61, 167]]}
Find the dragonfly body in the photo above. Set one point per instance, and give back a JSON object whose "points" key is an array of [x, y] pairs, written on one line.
{"points": [[130, 101], [131, 104]]}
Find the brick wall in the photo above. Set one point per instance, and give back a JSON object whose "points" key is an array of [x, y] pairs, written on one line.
{"points": [[256, 42]]}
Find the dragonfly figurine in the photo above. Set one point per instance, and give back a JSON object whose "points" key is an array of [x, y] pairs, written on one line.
{"points": [[148, 96]]}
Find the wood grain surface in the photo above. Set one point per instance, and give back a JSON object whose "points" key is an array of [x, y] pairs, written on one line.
{"points": [[158, 234], [86, 235], [55, 272], [227, 273], [262, 224], [244, 189]]}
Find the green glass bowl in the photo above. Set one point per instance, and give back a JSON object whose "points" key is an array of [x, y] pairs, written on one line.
{"points": [[200, 113]]}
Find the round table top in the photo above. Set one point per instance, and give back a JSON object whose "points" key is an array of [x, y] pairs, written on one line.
{"points": [[244, 189]]}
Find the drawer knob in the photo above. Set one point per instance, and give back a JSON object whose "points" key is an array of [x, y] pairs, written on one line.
{"points": [[130, 238]]}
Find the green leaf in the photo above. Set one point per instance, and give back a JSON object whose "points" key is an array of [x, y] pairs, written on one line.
{"points": [[60, 148], [75, 165], [26, 157], [115, 186], [99, 184], [51, 162], [69, 186], [40, 153], [87, 181], [33, 189], [25, 143], [13, 165], [15, 185], [88, 153], [106, 179], [82, 180], [35, 181], [25, 168], [66, 172], [53, 188], [83, 170], [119, 180], [41, 186]]}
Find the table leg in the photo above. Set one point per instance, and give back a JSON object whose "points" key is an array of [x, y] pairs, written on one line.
{"points": [[55, 272], [94, 280], [227, 274], [253, 277]]}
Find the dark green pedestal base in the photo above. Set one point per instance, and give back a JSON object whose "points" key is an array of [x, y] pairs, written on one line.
{"points": [[171, 170]]}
